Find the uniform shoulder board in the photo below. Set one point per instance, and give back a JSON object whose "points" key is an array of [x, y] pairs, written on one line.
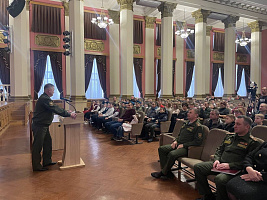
{"points": [[198, 124], [254, 138]]}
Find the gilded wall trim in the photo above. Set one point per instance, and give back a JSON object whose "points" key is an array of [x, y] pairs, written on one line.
{"points": [[66, 7], [28, 5], [2, 37], [201, 15], [159, 51], [94, 45], [46, 4], [218, 56], [242, 58], [136, 49], [208, 29], [47, 40], [126, 4]]}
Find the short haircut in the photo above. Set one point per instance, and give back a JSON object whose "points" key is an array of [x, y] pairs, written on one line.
{"points": [[48, 85], [260, 116], [185, 104], [196, 110], [231, 116], [216, 111], [247, 120]]}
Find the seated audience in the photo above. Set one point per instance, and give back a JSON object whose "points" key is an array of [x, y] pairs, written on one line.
{"points": [[229, 123], [204, 112], [182, 115], [229, 155], [223, 110], [214, 121], [94, 108], [263, 110], [151, 114], [191, 134], [155, 123], [252, 184]]}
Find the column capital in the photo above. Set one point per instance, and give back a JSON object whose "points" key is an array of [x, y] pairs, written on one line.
{"points": [[115, 15], [201, 15], [230, 21], [126, 4], [150, 21], [66, 7], [208, 29], [166, 9], [255, 26]]}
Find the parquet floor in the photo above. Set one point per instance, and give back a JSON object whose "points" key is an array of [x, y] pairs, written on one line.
{"points": [[112, 170]]}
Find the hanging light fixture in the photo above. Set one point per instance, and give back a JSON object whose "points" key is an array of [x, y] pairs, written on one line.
{"points": [[184, 32], [243, 41], [102, 20]]}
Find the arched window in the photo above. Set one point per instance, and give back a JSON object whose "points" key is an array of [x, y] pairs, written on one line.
{"points": [[191, 91], [136, 91], [49, 78], [219, 91], [94, 90]]}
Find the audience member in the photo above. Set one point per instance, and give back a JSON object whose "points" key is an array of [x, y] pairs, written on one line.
{"points": [[214, 121], [229, 123], [263, 97], [258, 120]]}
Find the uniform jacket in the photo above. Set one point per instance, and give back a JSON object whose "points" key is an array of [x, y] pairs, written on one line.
{"points": [[234, 148], [211, 124], [229, 127], [44, 111]]}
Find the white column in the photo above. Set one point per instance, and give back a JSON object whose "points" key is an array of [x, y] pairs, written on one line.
{"points": [[114, 54], [255, 58], [179, 67], [126, 41], [207, 66], [149, 57], [200, 52], [19, 57], [77, 77], [229, 55], [67, 28], [166, 10]]}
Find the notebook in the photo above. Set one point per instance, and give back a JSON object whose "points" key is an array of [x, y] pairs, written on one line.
{"points": [[226, 171]]}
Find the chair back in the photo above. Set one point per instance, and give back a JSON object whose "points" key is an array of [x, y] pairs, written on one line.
{"points": [[260, 131], [122, 111], [177, 128], [169, 115], [141, 118], [213, 140], [30, 129], [265, 122]]}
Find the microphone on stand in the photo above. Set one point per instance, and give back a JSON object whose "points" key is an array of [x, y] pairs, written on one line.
{"points": [[67, 101]]}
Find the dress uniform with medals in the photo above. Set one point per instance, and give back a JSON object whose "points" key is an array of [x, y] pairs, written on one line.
{"points": [[191, 134], [233, 150], [43, 117]]}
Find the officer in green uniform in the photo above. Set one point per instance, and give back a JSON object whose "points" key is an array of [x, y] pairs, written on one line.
{"points": [[191, 134], [43, 117], [229, 155]]}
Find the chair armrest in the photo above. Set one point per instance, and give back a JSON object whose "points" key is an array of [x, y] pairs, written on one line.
{"points": [[195, 152], [211, 157], [164, 126], [167, 139]]}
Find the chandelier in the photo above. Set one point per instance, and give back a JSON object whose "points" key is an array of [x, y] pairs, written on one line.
{"points": [[102, 20], [243, 41], [184, 32]]}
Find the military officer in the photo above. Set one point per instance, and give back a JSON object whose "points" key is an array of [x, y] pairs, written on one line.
{"points": [[191, 134], [43, 117], [229, 155]]}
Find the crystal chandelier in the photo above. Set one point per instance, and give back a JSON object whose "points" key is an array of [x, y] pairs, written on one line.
{"points": [[243, 41], [102, 20], [184, 32]]}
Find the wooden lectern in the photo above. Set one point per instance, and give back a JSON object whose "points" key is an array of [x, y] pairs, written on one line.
{"points": [[71, 155]]}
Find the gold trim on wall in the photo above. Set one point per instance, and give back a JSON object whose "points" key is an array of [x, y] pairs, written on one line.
{"points": [[136, 49], [47, 40], [159, 51], [94, 45], [2, 37], [139, 56], [97, 53], [46, 4], [138, 19], [218, 56], [241, 58], [190, 54], [46, 49]]}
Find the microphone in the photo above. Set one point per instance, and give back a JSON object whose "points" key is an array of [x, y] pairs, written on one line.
{"points": [[68, 100]]}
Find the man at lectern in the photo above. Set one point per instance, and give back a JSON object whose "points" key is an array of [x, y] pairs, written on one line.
{"points": [[42, 118]]}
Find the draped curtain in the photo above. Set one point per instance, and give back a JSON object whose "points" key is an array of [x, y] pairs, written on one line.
{"points": [[190, 41], [173, 76], [189, 75], [219, 41], [89, 61], [56, 64], [138, 32], [138, 69], [215, 75], [3, 13], [158, 76], [158, 38], [239, 75], [46, 19], [40, 58], [101, 68], [4, 67], [91, 30]]}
